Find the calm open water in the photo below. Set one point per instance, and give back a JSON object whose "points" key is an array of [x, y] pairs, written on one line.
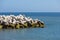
{"points": [[50, 32]]}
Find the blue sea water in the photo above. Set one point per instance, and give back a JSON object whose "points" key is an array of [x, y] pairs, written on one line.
{"points": [[51, 31]]}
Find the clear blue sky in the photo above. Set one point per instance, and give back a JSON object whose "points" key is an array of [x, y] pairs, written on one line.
{"points": [[29, 5]]}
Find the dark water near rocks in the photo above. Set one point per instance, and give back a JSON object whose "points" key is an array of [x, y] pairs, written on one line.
{"points": [[50, 32]]}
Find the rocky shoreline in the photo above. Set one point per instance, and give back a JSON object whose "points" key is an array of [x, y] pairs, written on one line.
{"points": [[19, 21]]}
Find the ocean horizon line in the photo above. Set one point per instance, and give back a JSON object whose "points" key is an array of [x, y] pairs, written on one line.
{"points": [[52, 14]]}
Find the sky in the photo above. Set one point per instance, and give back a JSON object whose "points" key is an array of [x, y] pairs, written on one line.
{"points": [[29, 5]]}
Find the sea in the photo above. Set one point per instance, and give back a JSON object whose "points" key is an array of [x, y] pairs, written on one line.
{"points": [[51, 30]]}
